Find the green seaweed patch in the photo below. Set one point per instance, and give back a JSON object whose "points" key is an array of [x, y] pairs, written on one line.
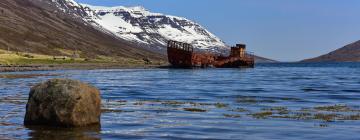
{"points": [[322, 113], [14, 99], [290, 99], [279, 110], [247, 100], [262, 115], [121, 101], [221, 105], [179, 103], [296, 116], [252, 100], [240, 110], [232, 115], [162, 110], [195, 110], [350, 117], [326, 117], [6, 124], [267, 101], [203, 104], [334, 108], [302, 116], [139, 103], [318, 116], [306, 109], [323, 125], [173, 103]]}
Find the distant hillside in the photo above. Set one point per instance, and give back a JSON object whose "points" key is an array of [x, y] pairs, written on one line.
{"points": [[44, 27], [348, 53]]}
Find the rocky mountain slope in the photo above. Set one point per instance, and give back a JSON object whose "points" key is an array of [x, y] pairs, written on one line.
{"points": [[142, 27], [348, 53], [47, 26], [147, 29], [150, 30]]}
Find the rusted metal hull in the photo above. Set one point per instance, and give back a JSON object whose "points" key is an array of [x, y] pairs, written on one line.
{"points": [[180, 58], [236, 63], [181, 55]]}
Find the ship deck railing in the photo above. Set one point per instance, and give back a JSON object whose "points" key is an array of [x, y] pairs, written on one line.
{"points": [[180, 45]]}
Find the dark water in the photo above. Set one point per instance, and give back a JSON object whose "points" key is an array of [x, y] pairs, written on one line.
{"points": [[272, 101]]}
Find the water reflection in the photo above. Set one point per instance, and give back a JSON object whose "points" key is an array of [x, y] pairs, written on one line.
{"points": [[54, 133]]}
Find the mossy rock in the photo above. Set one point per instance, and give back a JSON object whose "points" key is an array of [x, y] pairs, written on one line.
{"points": [[64, 103]]}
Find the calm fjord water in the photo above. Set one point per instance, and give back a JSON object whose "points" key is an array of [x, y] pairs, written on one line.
{"points": [[271, 101]]}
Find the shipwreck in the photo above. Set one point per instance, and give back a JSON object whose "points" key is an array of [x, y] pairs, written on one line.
{"points": [[183, 55]]}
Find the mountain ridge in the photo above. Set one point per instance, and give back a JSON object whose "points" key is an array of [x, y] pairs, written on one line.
{"points": [[348, 53], [38, 26], [139, 25]]}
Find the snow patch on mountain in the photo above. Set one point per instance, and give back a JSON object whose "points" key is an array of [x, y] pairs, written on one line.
{"points": [[140, 26], [66, 5]]}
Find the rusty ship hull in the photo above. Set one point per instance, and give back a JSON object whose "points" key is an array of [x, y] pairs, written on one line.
{"points": [[182, 55]]}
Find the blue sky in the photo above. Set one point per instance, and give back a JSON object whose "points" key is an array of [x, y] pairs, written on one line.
{"points": [[285, 30]]}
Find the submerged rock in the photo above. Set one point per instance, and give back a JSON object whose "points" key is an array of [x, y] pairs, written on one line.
{"points": [[63, 102]]}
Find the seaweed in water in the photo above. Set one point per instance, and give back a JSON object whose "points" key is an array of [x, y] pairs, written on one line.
{"points": [[279, 110], [221, 105], [262, 115], [240, 110], [194, 110], [334, 108], [325, 117], [232, 115]]}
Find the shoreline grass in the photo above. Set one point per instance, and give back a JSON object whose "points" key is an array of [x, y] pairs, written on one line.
{"points": [[8, 58]]}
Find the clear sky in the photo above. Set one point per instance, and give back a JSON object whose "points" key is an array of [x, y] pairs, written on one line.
{"points": [[285, 30]]}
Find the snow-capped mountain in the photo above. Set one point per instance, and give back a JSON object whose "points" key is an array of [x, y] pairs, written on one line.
{"points": [[57, 28], [70, 7], [142, 27]]}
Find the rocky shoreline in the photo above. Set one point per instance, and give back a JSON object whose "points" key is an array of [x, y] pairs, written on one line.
{"points": [[80, 66]]}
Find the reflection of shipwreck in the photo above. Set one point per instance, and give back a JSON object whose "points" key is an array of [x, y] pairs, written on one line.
{"points": [[183, 55]]}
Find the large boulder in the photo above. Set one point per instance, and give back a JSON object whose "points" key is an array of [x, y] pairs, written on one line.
{"points": [[64, 103]]}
